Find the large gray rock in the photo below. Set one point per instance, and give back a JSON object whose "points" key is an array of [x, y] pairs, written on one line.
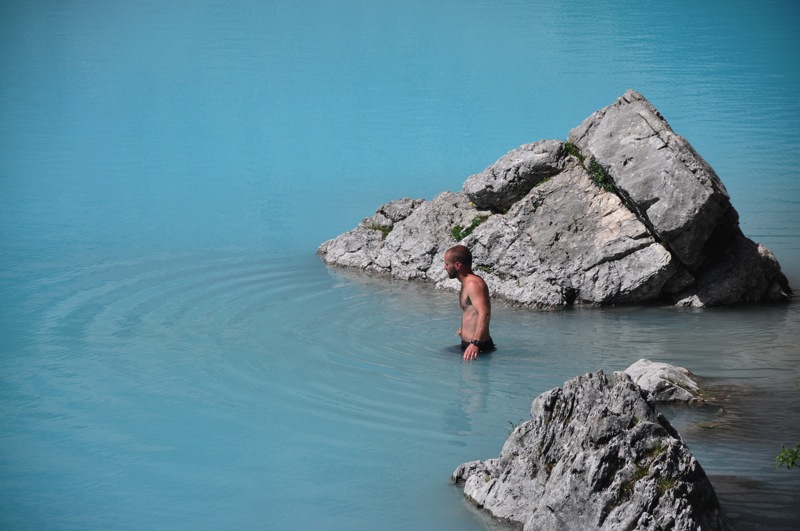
{"points": [[569, 240], [596, 455], [627, 212], [660, 175]]}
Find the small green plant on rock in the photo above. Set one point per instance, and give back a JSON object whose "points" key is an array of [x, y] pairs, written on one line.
{"points": [[628, 487], [665, 484], [459, 233], [383, 229], [788, 457], [599, 176], [659, 449], [573, 150]]}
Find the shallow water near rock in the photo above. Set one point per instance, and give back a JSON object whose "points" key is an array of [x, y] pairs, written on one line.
{"points": [[174, 355]]}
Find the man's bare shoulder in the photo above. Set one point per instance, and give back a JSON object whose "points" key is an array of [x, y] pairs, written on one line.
{"points": [[475, 278], [474, 282]]}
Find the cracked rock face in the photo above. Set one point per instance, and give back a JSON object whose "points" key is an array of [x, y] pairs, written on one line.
{"points": [[669, 185], [625, 212], [595, 455]]}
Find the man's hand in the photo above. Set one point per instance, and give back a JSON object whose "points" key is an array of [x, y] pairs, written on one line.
{"points": [[471, 353]]}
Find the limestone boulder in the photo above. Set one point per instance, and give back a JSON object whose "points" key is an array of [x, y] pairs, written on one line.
{"points": [[595, 455], [624, 212], [658, 173]]}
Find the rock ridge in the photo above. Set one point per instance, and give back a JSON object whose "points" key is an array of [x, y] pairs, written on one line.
{"points": [[623, 211], [595, 455]]}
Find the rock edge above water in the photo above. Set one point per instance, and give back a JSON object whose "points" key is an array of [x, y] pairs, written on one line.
{"points": [[625, 211], [595, 455]]}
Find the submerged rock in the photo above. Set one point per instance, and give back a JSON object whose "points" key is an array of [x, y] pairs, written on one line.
{"points": [[596, 455], [625, 211]]}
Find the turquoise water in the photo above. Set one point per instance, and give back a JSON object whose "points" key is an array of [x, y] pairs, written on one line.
{"points": [[174, 355]]}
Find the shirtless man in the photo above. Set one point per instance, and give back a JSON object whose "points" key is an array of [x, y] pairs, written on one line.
{"points": [[474, 300]]}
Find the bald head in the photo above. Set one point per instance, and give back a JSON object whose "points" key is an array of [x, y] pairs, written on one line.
{"points": [[461, 254]]}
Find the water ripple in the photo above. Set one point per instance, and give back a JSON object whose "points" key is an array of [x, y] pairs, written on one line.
{"points": [[153, 367]]}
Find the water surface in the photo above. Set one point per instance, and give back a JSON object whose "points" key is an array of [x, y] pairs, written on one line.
{"points": [[174, 355]]}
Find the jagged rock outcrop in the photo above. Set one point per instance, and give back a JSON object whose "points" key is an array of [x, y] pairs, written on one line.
{"points": [[664, 382], [624, 211], [595, 455], [514, 175]]}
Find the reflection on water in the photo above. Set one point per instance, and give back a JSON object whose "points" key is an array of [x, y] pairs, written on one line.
{"points": [[470, 401]]}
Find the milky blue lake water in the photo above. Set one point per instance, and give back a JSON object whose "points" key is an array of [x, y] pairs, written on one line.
{"points": [[173, 354]]}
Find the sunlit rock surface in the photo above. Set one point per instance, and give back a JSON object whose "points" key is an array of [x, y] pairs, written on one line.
{"points": [[664, 382], [595, 455], [625, 211]]}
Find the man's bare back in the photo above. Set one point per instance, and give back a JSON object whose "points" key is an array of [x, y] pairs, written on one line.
{"points": [[475, 303]]}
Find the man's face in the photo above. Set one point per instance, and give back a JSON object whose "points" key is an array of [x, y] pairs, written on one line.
{"points": [[450, 267]]}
